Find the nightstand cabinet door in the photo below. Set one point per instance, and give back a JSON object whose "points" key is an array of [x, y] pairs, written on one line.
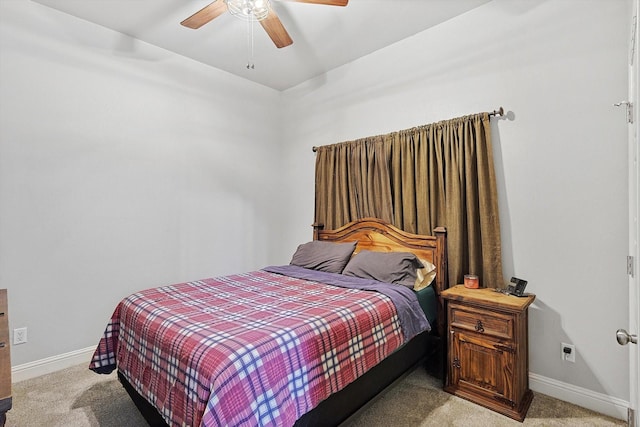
{"points": [[482, 367]]}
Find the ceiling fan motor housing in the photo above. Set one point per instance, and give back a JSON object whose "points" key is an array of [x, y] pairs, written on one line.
{"points": [[249, 10]]}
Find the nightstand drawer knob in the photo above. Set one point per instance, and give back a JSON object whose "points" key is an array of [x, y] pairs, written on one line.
{"points": [[479, 326], [2, 344]]}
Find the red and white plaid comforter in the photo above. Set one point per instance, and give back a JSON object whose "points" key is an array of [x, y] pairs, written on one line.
{"points": [[251, 349]]}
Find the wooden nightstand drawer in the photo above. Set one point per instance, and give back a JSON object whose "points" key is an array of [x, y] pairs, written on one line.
{"points": [[482, 321]]}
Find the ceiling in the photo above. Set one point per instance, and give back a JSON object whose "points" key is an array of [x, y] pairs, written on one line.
{"points": [[324, 37]]}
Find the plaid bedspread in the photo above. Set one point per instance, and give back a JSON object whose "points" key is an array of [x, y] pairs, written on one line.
{"points": [[250, 349]]}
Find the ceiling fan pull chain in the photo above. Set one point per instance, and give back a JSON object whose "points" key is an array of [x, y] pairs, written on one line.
{"points": [[250, 64]]}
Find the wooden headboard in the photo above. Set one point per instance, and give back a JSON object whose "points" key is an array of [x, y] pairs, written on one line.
{"points": [[376, 235]]}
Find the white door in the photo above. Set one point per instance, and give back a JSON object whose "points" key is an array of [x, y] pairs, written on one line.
{"points": [[634, 230]]}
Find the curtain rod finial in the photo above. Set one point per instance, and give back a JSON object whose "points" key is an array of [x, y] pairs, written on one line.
{"points": [[498, 112]]}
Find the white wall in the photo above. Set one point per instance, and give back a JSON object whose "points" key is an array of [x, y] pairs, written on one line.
{"points": [[122, 166], [556, 67]]}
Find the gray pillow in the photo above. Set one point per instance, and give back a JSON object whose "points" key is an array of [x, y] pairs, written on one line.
{"points": [[323, 256], [389, 267]]}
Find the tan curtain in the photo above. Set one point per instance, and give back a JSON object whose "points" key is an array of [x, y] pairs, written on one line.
{"points": [[435, 175]]}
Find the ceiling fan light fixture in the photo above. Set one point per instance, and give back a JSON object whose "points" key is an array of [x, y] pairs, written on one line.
{"points": [[249, 10]]}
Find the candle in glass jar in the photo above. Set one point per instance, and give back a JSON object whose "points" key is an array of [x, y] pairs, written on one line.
{"points": [[471, 281]]}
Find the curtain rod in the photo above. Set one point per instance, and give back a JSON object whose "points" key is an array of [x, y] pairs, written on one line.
{"points": [[498, 112]]}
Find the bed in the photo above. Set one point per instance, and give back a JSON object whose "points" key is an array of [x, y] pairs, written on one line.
{"points": [[302, 344]]}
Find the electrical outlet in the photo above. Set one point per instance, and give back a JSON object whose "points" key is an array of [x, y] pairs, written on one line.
{"points": [[568, 352], [19, 336]]}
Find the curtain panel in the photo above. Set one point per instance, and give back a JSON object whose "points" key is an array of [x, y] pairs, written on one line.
{"points": [[440, 174]]}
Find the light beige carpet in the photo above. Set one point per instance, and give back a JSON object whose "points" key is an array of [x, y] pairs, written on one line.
{"points": [[77, 397]]}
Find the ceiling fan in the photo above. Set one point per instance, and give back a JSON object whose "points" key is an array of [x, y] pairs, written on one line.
{"points": [[252, 10]]}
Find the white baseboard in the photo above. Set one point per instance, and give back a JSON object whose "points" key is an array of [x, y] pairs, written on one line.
{"points": [[51, 364], [602, 403]]}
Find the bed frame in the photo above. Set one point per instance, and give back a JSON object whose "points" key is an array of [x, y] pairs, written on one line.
{"points": [[376, 235]]}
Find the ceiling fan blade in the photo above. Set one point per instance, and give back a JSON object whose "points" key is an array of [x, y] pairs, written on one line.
{"points": [[205, 15], [276, 31], [327, 2]]}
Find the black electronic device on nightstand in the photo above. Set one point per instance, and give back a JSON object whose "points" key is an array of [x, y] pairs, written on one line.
{"points": [[517, 288]]}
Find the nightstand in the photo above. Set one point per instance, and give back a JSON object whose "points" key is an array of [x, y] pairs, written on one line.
{"points": [[5, 362], [488, 350]]}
